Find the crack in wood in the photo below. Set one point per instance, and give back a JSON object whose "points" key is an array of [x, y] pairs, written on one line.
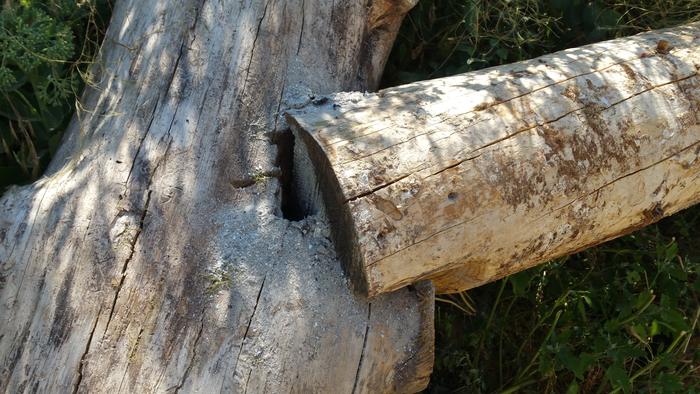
{"points": [[175, 68], [252, 50], [301, 33], [442, 230], [85, 353], [197, 15], [146, 204], [364, 347], [520, 131], [245, 333], [250, 372], [132, 354], [377, 188], [126, 262], [138, 149], [583, 108], [458, 163], [482, 107], [427, 274], [190, 363], [31, 229], [597, 190]]}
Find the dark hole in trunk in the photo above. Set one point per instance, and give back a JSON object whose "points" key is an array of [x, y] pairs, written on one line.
{"points": [[293, 208]]}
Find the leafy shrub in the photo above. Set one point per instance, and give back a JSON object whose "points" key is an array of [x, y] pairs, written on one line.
{"points": [[446, 37], [622, 317], [46, 49]]}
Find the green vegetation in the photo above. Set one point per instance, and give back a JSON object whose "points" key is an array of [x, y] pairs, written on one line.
{"points": [[446, 37], [47, 47], [622, 317]]}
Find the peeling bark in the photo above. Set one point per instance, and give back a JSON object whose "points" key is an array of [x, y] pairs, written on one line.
{"points": [[466, 179], [154, 257]]}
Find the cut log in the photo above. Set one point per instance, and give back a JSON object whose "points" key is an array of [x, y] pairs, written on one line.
{"points": [[154, 257], [466, 179]]}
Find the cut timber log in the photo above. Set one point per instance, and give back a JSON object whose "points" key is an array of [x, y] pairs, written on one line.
{"points": [[466, 179]]}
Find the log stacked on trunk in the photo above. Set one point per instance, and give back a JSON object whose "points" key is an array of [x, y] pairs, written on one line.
{"points": [[467, 179]]}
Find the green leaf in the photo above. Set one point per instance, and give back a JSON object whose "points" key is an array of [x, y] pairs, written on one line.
{"points": [[641, 331], [521, 282], [671, 251], [633, 277], [676, 272], [654, 328], [573, 388], [668, 383], [674, 319], [617, 377], [577, 365], [643, 299]]}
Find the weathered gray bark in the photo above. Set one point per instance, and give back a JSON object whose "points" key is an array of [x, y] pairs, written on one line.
{"points": [[466, 179], [153, 257]]}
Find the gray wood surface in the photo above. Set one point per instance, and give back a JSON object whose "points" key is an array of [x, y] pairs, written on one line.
{"points": [[153, 256]]}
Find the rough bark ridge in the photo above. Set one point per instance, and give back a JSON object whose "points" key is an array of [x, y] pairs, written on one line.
{"points": [[466, 179], [153, 256]]}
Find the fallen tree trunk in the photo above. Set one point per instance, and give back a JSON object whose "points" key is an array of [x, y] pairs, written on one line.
{"points": [[154, 257], [466, 179]]}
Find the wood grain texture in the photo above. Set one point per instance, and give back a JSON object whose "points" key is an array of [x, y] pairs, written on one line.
{"points": [[153, 256], [466, 179]]}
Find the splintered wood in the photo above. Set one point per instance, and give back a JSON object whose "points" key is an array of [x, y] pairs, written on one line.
{"points": [[466, 179]]}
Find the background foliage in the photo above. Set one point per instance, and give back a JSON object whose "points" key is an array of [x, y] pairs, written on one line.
{"points": [[446, 37], [622, 317], [46, 49]]}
